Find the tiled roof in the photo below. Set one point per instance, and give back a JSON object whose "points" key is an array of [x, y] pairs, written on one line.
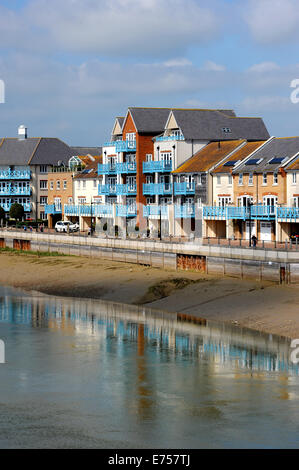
{"points": [[238, 155], [34, 151], [205, 124], [280, 148], [90, 170], [83, 151], [149, 120], [209, 156]]}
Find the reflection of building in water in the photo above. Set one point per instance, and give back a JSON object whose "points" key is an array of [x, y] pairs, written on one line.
{"points": [[162, 332], [145, 396]]}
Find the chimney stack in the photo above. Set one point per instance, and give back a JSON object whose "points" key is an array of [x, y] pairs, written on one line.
{"points": [[22, 132]]}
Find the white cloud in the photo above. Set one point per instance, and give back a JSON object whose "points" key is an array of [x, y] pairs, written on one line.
{"points": [[264, 67], [273, 21], [180, 62], [213, 67], [111, 28]]}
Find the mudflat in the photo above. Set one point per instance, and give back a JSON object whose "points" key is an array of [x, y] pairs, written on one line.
{"points": [[263, 306]]}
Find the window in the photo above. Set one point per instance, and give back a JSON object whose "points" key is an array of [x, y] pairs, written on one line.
{"points": [[250, 179], [58, 184], [64, 184], [52, 185], [264, 178], [240, 179], [43, 184], [149, 179], [294, 178], [43, 200], [296, 201], [42, 215], [84, 184], [70, 200], [148, 157], [131, 136], [43, 169], [230, 179], [275, 178], [81, 200], [78, 184], [218, 179], [226, 130], [94, 183], [224, 200]]}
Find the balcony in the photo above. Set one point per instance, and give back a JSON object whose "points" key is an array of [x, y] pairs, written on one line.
{"points": [[157, 166], [155, 211], [241, 213], [126, 168], [288, 213], [126, 210], [160, 189], [7, 205], [14, 191], [170, 138], [53, 209], [15, 174], [88, 210], [117, 189], [185, 211], [125, 145], [184, 189], [106, 169]]}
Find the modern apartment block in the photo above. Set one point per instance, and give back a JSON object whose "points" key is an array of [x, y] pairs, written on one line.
{"points": [[24, 164]]}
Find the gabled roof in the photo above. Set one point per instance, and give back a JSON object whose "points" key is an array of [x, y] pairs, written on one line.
{"points": [[83, 151], [279, 148], [34, 151], [149, 120], [237, 156], [205, 124], [90, 170], [206, 158]]}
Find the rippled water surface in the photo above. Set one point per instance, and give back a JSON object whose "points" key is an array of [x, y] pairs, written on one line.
{"points": [[83, 373]]}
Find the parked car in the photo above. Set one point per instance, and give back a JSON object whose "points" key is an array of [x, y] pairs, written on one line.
{"points": [[295, 237], [64, 226]]}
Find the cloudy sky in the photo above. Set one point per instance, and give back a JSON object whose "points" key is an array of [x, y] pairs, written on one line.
{"points": [[71, 66]]}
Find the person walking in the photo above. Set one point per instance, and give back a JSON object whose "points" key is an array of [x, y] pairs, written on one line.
{"points": [[254, 241]]}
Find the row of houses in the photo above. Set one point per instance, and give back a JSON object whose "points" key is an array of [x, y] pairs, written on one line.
{"points": [[180, 172]]}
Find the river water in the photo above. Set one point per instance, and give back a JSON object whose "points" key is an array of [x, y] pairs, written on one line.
{"points": [[93, 374]]}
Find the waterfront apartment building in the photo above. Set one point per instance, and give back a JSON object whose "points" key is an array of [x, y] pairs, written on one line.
{"points": [[24, 164]]}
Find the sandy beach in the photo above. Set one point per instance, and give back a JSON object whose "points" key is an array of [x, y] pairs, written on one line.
{"points": [[262, 306]]}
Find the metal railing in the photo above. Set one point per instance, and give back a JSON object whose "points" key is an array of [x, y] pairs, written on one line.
{"points": [[159, 166], [153, 189]]}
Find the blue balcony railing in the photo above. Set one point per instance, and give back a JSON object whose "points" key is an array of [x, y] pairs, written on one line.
{"points": [[88, 210], [185, 211], [106, 169], [7, 205], [117, 189], [10, 190], [155, 211], [53, 209], [288, 213], [160, 189], [243, 213], [129, 210], [125, 146], [154, 166], [126, 167], [170, 137], [15, 174], [184, 188]]}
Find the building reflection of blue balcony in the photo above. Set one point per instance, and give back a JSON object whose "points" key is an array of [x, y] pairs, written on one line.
{"points": [[162, 166], [167, 138], [159, 189], [129, 210], [184, 188], [155, 211], [125, 146], [117, 189], [185, 211], [106, 169], [126, 167], [15, 174], [53, 209]]}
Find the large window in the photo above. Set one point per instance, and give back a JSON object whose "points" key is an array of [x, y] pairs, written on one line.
{"points": [[43, 169], [43, 184], [224, 200], [43, 200]]}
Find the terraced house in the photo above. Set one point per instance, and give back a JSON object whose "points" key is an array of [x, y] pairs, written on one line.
{"points": [[24, 164]]}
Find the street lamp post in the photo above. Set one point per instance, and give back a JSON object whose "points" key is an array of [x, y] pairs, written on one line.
{"points": [[249, 216]]}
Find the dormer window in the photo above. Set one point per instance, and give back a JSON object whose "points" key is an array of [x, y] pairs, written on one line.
{"points": [[226, 130]]}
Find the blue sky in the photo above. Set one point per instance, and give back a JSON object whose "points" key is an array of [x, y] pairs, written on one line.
{"points": [[70, 67]]}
